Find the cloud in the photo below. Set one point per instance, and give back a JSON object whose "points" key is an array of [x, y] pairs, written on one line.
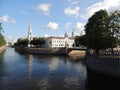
{"points": [[79, 26], [11, 39], [106, 4], [74, 12], [67, 24], [73, 2], [45, 8], [69, 81], [13, 21], [46, 35], [6, 19], [54, 63], [52, 25], [44, 84], [24, 13]]}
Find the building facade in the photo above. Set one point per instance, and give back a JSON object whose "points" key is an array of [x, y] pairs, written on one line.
{"points": [[57, 41]]}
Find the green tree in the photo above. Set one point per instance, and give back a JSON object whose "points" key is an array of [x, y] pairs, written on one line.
{"points": [[38, 42], [80, 40], [118, 42], [115, 23], [77, 41], [22, 42], [97, 31], [1, 28], [2, 40]]}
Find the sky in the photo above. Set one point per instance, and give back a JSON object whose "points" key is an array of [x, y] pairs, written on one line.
{"points": [[49, 17]]}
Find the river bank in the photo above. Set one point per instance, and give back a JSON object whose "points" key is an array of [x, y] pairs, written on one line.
{"points": [[106, 66], [76, 54], [2, 48], [42, 50]]}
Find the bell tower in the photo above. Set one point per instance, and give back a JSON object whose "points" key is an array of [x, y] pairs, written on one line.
{"points": [[29, 37], [73, 37], [73, 33]]}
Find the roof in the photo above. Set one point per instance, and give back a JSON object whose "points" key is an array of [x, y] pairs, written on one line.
{"points": [[56, 37]]}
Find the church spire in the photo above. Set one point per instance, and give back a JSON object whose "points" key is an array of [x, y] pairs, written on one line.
{"points": [[73, 33], [29, 31], [65, 35], [73, 37]]}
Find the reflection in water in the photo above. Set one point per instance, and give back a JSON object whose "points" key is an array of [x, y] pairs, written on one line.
{"points": [[53, 65], [43, 84], [34, 72], [20, 71], [99, 82], [30, 62], [1, 65], [71, 81]]}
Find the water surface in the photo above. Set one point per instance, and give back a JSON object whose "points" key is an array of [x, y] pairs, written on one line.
{"points": [[20, 71]]}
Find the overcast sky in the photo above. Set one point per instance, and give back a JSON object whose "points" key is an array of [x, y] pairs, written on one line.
{"points": [[49, 17]]}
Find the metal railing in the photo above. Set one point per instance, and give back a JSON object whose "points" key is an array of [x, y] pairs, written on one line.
{"points": [[106, 53]]}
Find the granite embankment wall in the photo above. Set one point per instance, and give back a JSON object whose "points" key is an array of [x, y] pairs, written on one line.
{"points": [[59, 51], [106, 63], [42, 50], [2, 48], [77, 54]]}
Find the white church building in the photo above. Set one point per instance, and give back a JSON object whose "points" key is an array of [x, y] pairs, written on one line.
{"points": [[55, 41], [59, 41]]}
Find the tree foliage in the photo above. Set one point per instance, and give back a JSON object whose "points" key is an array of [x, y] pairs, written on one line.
{"points": [[37, 41], [1, 28], [115, 23], [2, 40], [80, 40], [22, 42], [98, 35]]}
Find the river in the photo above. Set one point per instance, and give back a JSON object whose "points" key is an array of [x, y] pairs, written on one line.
{"points": [[21, 71]]}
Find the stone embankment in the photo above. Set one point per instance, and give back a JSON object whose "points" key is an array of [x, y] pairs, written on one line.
{"points": [[54, 51], [42, 50], [106, 63], [77, 54], [2, 48]]}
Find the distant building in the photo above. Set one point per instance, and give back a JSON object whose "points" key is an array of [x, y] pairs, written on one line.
{"points": [[54, 41], [57, 41]]}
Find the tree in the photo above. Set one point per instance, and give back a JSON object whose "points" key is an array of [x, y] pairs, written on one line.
{"points": [[2, 40], [115, 23], [97, 31], [80, 40], [77, 41], [1, 28], [37, 41], [118, 42], [22, 42]]}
